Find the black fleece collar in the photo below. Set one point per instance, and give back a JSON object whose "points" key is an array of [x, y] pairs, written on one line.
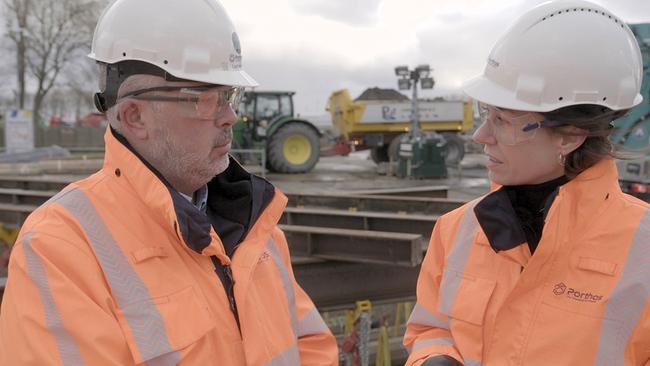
{"points": [[509, 217]]}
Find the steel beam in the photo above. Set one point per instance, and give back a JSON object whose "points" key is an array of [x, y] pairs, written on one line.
{"points": [[422, 205], [21, 192], [15, 214], [37, 182], [360, 220], [337, 283], [360, 246], [334, 242], [421, 191], [24, 196]]}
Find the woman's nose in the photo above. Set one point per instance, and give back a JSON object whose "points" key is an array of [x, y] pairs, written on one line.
{"points": [[484, 134]]}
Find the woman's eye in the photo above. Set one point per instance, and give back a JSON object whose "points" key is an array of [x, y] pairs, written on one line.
{"points": [[500, 121]]}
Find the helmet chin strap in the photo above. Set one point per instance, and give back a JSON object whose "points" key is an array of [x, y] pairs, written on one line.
{"points": [[117, 73]]}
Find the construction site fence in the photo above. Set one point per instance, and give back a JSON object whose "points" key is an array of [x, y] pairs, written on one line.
{"points": [[90, 138]]}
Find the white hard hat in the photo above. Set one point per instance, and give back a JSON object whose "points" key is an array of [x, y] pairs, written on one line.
{"points": [[183, 39], [559, 54]]}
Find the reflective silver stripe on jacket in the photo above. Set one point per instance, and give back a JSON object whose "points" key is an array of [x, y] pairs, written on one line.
{"points": [[421, 315], [287, 284], [65, 344], [470, 362], [167, 359], [423, 343], [131, 294], [458, 258], [290, 357], [312, 323], [628, 299]]}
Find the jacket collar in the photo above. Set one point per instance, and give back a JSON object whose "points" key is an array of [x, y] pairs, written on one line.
{"points": [[123, 162], [585, 195], [588, 195], [168, 206], [594, 185]]}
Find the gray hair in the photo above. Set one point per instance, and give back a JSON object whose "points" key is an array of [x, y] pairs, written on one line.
{"points": [[133, 82]]}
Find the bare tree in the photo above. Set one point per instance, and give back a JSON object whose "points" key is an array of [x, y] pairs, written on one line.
{"points": [[55, 33], [81, 81], [16, 22], [59, 35]]}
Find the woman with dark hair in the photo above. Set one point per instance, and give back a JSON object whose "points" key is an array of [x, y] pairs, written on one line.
{"points": [[553, 266]]}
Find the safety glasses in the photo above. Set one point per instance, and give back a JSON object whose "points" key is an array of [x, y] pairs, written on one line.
{"points": [[510, 127], [205, 102]]}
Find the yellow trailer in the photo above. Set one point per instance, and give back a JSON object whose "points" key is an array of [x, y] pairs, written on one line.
{"points": [[376, 124]]}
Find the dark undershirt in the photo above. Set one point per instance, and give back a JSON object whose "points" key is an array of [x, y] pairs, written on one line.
{"points": [[530, 203]]}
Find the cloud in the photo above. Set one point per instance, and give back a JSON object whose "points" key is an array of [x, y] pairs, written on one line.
{"points": [[355, 13], [314, 47], [314, 82]]}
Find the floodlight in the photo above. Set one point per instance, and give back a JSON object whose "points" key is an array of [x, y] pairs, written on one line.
{"points": [[402, 71], [427, 83], [404, 84], [423, 68]]}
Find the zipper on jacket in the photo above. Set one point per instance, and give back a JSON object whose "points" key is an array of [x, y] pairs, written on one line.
{"points": [[228, 281], [231, 290]]}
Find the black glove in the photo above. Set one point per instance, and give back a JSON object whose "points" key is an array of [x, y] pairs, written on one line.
{"points": [[442, 360]]}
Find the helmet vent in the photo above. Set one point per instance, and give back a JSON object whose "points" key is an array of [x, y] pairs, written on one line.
{"points": [[613, 18], [165, 62], [124, 54]]}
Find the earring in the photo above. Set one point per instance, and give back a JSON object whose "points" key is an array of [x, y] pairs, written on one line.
{"points": [[561, 159]]}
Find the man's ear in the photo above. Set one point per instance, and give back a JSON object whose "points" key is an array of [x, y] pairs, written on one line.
{"points": [[571, 138], [130, 115]]}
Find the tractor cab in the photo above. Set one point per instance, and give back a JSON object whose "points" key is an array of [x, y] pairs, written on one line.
{"points": [[258, 110], [267, 121]]}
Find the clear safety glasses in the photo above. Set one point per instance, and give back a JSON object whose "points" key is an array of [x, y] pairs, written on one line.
{"points": [[512, 127], [205, 102]]}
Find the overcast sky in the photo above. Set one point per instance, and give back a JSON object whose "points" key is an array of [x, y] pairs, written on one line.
{"points": [[314, 47]]}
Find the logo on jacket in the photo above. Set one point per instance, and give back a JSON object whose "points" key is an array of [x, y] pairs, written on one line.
{"points": [[576, 295], [264, 257]]}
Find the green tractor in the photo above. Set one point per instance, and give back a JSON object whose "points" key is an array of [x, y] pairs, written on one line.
{"points": [[267, 122]]}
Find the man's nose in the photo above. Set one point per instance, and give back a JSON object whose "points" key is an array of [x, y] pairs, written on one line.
{"points": [[227, 117]]}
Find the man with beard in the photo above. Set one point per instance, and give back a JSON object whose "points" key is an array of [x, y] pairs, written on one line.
{"points": [[170, 254]]}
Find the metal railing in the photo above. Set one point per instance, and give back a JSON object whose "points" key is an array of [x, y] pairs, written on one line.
{"points": [[242, 155]]}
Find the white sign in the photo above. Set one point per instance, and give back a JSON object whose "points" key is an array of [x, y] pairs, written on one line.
{"points": [[397, 112], [19, 131]]}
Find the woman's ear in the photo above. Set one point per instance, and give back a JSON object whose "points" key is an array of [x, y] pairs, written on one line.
{"points": [[130, 115], [570, 139]]}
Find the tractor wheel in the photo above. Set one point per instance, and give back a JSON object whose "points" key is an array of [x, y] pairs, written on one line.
{"points": [[294, 148], [454, 148], [379, 154]]}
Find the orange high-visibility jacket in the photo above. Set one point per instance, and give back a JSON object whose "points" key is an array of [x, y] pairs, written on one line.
{"points": [[108, 273], [581, 299]]}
